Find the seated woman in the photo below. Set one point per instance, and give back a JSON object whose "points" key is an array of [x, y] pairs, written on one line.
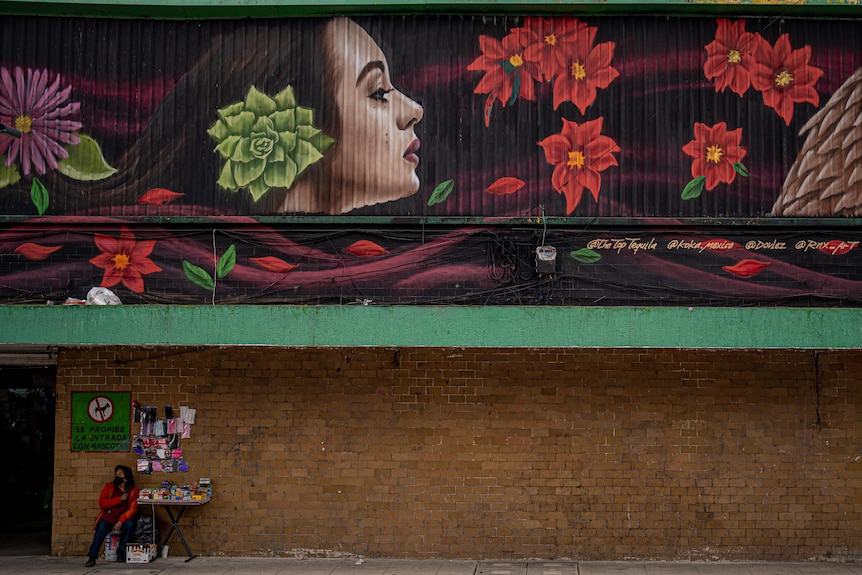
{"points": [[118, 511]]}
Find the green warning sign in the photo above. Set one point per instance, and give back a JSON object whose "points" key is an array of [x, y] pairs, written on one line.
{"points": [[101, 421]]}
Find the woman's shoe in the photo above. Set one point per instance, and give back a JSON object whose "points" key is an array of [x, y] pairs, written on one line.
{"points": [[90, 562]]}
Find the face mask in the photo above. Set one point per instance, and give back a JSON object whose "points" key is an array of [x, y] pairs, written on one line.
{"points": [[118, 481]]}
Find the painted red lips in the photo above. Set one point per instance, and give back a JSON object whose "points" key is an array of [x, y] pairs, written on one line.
{"points": [[410, 153]]}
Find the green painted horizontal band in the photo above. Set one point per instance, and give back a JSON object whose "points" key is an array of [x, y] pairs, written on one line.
{"points": [[419, 326], [198, 9]]}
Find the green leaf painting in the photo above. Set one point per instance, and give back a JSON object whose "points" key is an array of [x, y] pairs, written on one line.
{"points": [[8, 174], [85, 162], [226, 262], [586, 256], [198, 276], [694, 188], [39, 195], [441, 192]]}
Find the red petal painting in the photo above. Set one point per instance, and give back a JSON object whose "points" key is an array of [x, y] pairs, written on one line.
{"points": [[273, 264], [746, 268], [159, 197], [505, 186], [36, 252], [366, 249]]}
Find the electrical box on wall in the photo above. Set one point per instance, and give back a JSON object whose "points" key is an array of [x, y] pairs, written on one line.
{"points": [[546, 259]]}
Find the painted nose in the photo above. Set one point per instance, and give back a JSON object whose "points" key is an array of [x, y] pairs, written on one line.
{"points": [[410, 112]]}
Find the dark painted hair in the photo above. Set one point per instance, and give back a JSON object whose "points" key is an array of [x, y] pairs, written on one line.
{"points": [[175, 148]]}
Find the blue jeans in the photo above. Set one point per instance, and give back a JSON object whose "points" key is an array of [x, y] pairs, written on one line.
{"points": [[102, 530]]}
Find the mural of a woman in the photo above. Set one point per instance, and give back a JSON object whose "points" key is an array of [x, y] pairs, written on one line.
{"points": [[374, 157], [303, 116], [361, 128]]}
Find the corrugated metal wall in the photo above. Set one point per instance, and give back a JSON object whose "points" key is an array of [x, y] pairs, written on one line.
{"points": [[149, 91]]}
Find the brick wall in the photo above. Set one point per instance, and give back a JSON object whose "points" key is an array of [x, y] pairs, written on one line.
{"points": [[493, 453]]}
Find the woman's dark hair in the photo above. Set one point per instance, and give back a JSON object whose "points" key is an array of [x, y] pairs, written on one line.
{"points": [[175, 149], [127, 471]]}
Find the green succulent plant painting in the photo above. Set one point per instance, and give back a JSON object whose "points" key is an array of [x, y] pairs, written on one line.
{"points": [[266, 142]]}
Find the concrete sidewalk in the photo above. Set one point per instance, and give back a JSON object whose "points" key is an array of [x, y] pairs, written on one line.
{"points": [[43, 565]]}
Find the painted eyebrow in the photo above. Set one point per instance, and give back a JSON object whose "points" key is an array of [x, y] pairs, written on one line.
{"points": [[368, 68]]}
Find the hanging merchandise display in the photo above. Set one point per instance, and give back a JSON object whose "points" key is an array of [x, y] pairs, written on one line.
{"points": [[158, 443]]}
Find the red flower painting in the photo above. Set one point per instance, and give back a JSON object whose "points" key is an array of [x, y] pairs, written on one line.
{"points": [[579, 153], [124, 260], [507, 74], [783, 75], [729, 57], [716, 152], [547, 39], [585, 69]]}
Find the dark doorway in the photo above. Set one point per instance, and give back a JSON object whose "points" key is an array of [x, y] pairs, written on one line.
{"points": [[27, 406]]}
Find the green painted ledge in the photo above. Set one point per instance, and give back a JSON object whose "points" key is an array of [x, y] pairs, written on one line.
{"points": [[199, 9], [418, 326]]}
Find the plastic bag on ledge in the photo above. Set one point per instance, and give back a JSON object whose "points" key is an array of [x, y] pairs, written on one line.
{"points": [[102, 296]]}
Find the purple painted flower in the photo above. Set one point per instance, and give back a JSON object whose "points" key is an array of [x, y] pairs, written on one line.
{"points": [[40, 111]]}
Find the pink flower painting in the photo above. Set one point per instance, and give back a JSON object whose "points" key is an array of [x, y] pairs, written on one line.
{"points": [[35, 104]]}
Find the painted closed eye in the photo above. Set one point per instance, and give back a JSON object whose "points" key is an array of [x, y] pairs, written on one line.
{"points": [[380, 94]]}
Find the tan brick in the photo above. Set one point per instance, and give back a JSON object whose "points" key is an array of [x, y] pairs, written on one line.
{"points": [[493, 453]]}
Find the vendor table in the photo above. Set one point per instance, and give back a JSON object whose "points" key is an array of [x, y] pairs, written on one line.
{"points": [[169, 504]]}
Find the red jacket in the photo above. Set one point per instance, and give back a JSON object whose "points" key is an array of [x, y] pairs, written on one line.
{"points": [[112, 508]]}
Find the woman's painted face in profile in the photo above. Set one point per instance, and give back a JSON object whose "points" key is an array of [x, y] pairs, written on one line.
{"points": [[375, 157]]}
